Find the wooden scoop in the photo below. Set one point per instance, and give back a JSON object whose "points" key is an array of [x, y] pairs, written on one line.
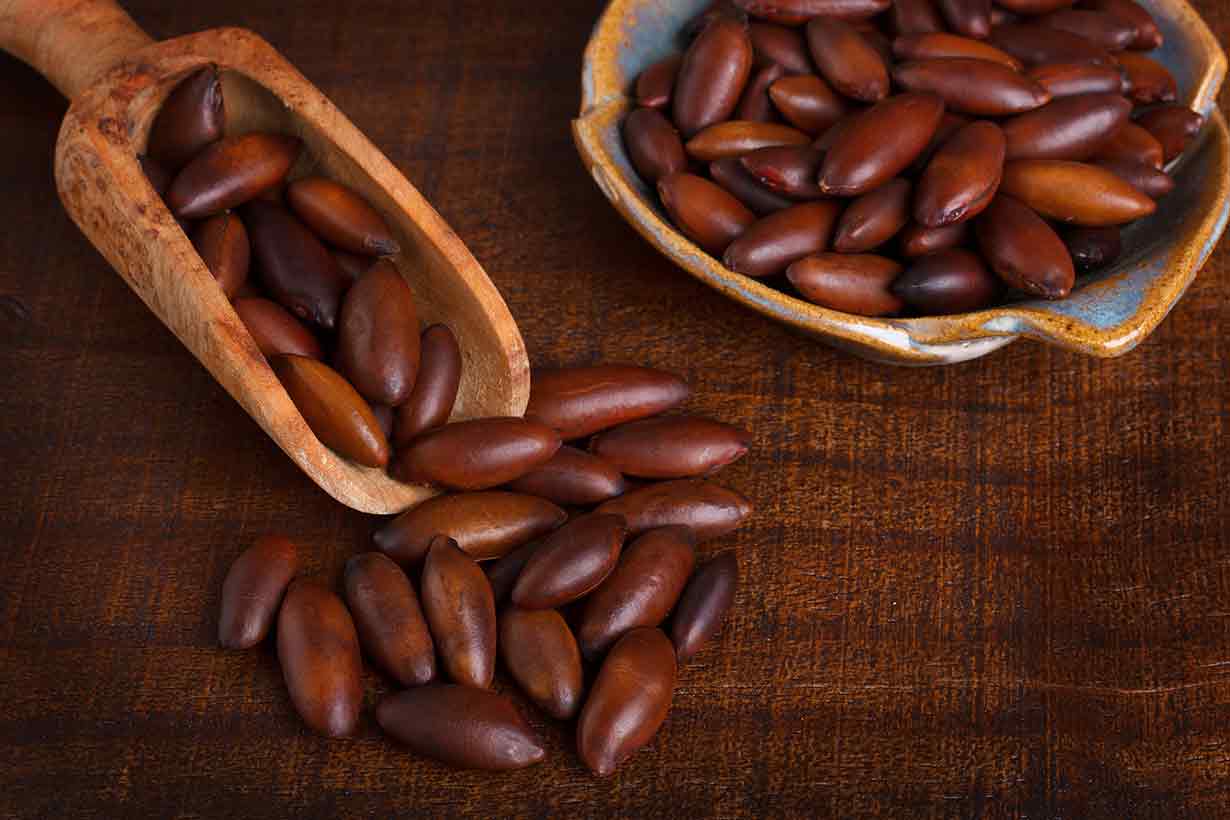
{"points": [[117, 78]]}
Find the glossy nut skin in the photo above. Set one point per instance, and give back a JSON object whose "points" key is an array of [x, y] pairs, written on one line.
{"points": [[880, 143], [739, 183], [915, 17], [1106, 30], [671, 447], [1148, 35], [716, 10], [1093, 248], [318, 650], [777, 45], [873, 218], [642, 589], [947, 282], [855, 283], [1024, 250], [1173, 126], [942, 44], [460, 610], [629, 700], [578, 401], [1073, 79], [295, 267], [352, 265], [542, 655], [918, 240], [1133, 144], [755, 105], [1035, 44], [253, 589], [274, 329], [962, 178], [574, 478], [846, 60], [711, 510], [950, 124], [476, 454], [1150, 181], [384, 415], [656, 84], [192, 116], [230, 172], [340, 216], [392, 629], [435, 387], [378, 336], [807, 102], [704, 604], [222, 243], [715, 68], [1072, 128], [703, 211], [971, 18], [571, 561], [796, 12], [790, 171], [977, 87], [335, 412], [769, 246], [1075, 192], [653, 145], [502, 574], [463, 727], [734, 138]]}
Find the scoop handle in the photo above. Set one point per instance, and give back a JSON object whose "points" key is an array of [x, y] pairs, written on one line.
{"points": [[70, 42]]}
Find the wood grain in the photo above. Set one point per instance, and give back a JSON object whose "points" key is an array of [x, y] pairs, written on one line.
{"points": [[995, 590]]}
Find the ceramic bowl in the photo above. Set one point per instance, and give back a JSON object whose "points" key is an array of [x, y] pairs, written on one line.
{"points": [[1109, 312]]}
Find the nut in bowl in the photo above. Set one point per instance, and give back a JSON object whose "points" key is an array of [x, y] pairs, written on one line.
{"points": [[1108, 311]]}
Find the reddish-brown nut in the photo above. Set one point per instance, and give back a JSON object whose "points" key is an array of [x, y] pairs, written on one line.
{"points": [[797, 12], [855, 283], [671, 447], [378, 336], [1093, 248], [1074, 79], [941, 44], [915, 17], [790, 170], [335, 412], [703, 211], [962, 177], [755, 105], [735, 138], [502, 573], [460, 610], [1152, 182], [716, 10], [318, 649], [1035, 44], [1173, 126], [1075, 192], [435, 387], [711, 510], [392, 629], [951, 281], [353, 265], [1072, 128], [192, 116], [541, 654], [918, 240], [978, 87], [253, 589], [653, 145], [880, 143], [1033, 8], [807, 102], [1132, 143], [715, 68], [230, 172], [1106, 30], [571, 561], [579, 401], [476, 454], [873, 218], [572, 477], [655, 84], [969, 17], [340, 216], [773, 242], [1024, 250], [384, 415], [739, 183], [950, 124], [222, 243], [703, 605], [847, 60], [274, 329], [777, 45], [1148, 35]]}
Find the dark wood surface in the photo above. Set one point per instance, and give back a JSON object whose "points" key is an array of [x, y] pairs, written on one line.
{"points": [[999, 589]]}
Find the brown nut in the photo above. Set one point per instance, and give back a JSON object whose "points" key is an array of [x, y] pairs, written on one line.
{"points": [[711, 510], [1132, 143], [671, 447], [1093, 248], [807, 102], [772, 243], [1148, 35], [880, 143], [1033, 7], [739, 183], [703, 211], [1173, 126], [1035, 44], [579, 401], [755, 105], [1150, 181], [541, 654], [941, 44], [1105, 30], [340, 216], [653, 145], [460, 610], [318, 649], [855, 283], [435, 387], [1024, 250], [352, 265], [1074, 79], [971, 18], [735, 138], [392, 629], [947, 282], [571, 561], [335, 412], [222, 243], [847, 60], [915, 17], [502, 573], [873, 218], [476, 454], [378, 336], [918, 240], [158, 176], [230, 172], [192, 117], [253, 589], [703, 605], [977, 87], [655, 84], [572, 477], [777, 45], [274, 329], [790, 170], [1074, 192], [715, 68], [1072, 128], [796, 12], [962, 178]]}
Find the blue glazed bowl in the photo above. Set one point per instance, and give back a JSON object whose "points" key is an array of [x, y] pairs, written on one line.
{"points": [[1108, 314]]}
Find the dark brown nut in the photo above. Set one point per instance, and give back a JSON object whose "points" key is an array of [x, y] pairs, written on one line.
{"points": [[335, 412], [476, 454], [777, 45], [541, 654], [969, 17], [1001, 16], [807, 102], [739, 183], [653, 145], [755, 105], [222, 243], [1150, 181], [629, 700], [850, 282], [715, 68], [769, 246], [641, 590], [950, 124], [709, 509], [353, 265], [790, 170], [977, 87], [717, 10], [873, 218], [962, 178], [703, 211], [297, 270], [1132, 143], [318, 649], [253, 590], [579, 401], [340, 216], [880, 143], [486, 525], [392, 629], [1075, 192], [230, 172], [797, 12], [1173, 126], [191, 118], [571, 561], [1148, 35], [735, 138], [1033, 7], [1106, 30], [435, 388], [384, 415], [1072, 128], [460, 610], [274, 330], [1093, 248], [502, 574], [671, 446], [1035, 44], [915, 17], [378, 336], [849, 63], [159, 177], [1074, 79], [703, 605], [1024, 250], [947, 282], [877, 40], [940, 44], [572, 477], [919, 240], [656, 84], [462, 727]]}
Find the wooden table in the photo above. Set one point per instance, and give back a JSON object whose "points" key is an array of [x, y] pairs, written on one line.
{"points": [[999, 589]]}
